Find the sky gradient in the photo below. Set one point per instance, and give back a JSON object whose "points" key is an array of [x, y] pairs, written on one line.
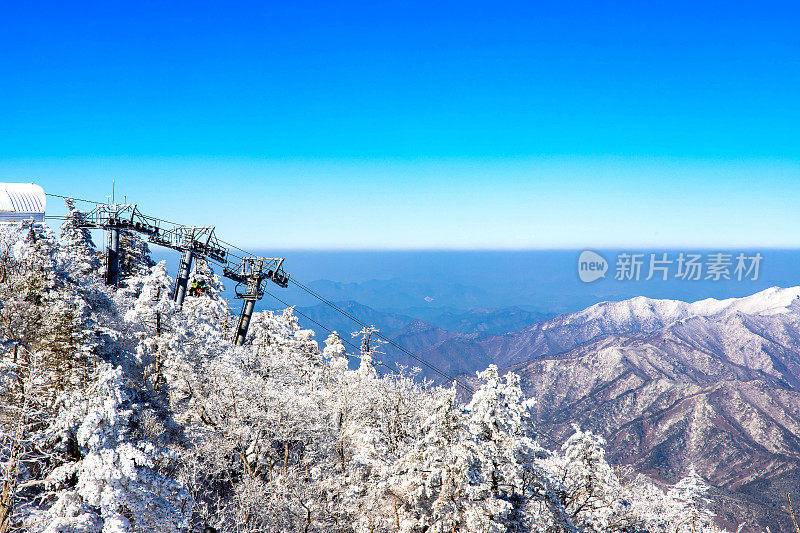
{"points": [[416, 125]]}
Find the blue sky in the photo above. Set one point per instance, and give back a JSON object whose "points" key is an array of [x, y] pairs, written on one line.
{"points": [[416, 124]]}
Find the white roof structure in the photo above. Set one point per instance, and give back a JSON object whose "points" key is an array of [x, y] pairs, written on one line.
{"points": [[21, 201]]}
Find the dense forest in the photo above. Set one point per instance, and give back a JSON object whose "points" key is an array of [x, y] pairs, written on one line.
{"points": [[120, 411]]}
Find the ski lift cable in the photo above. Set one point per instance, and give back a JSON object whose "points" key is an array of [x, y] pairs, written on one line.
{"points": [[229, 254], [328, 330], [73, 198], [165, 220], [383, 337], [229, 245], [103, 203]]}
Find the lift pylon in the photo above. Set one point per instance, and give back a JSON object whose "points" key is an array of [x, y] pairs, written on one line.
{"points": [[112, 257], [191, 241], [249, 274], [194, 242], [182, 281], [112, 218]]}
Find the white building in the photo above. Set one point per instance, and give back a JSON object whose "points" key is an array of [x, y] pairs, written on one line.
{"points": [[21, 201]]}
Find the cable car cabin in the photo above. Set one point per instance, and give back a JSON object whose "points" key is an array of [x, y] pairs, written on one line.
{"points": [[21, 201]]}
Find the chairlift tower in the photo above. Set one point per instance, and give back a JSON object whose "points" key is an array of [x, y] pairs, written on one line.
{"points": [[192, 242], [112, 218], [248, 275], [112, 259]]}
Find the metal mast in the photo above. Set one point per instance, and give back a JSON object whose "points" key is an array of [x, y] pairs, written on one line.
{"points": [[112, 218], [249, 274], [112, 257], [191, 241]]}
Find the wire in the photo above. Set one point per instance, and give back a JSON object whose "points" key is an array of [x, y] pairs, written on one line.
{"points": [[328, 330], [383, 337], [229, 245], [104, 203], [164, 220], [73, 198]]}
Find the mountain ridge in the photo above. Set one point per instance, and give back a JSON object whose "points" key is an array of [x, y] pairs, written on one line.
{"points": [[714, 384]]}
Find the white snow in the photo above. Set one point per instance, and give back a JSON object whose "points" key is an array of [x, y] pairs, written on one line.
{"points": [[150, 420]]}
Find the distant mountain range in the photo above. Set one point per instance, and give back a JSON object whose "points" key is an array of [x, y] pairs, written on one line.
{"points": [[534, 280], [479, 320], [712, 383]]}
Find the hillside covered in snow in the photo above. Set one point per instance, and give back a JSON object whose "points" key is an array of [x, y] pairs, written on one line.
{"points": [[713, 384], [123, 413]]}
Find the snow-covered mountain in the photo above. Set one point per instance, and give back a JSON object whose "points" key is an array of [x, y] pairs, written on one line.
{"points": [[714, 383], [637, 316]]}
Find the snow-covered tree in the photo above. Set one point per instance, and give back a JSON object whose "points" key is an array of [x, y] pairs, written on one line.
{"points": [[687, 503], [590, 490], [116, 474], [134, 259], [335, 353], [77, 247], [153, 323], [123, 412], [24, 415]]}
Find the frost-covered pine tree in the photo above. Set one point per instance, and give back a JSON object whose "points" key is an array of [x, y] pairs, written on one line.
{"points": [[206, 313], [115, 480], [687, 503], [134, 257], [435, 481], [370, 349], [77, 247], [24, 415], [499, 419], [335, 353], [473, 468], [152, 321], [645, 506], [589, 488], [47, 346]]}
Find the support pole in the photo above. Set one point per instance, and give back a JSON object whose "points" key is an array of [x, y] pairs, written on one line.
{"points": [[244, 321], [112, 261], [183, 276]]}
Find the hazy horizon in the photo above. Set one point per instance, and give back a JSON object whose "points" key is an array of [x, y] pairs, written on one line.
{"points": [[537, 280]]}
